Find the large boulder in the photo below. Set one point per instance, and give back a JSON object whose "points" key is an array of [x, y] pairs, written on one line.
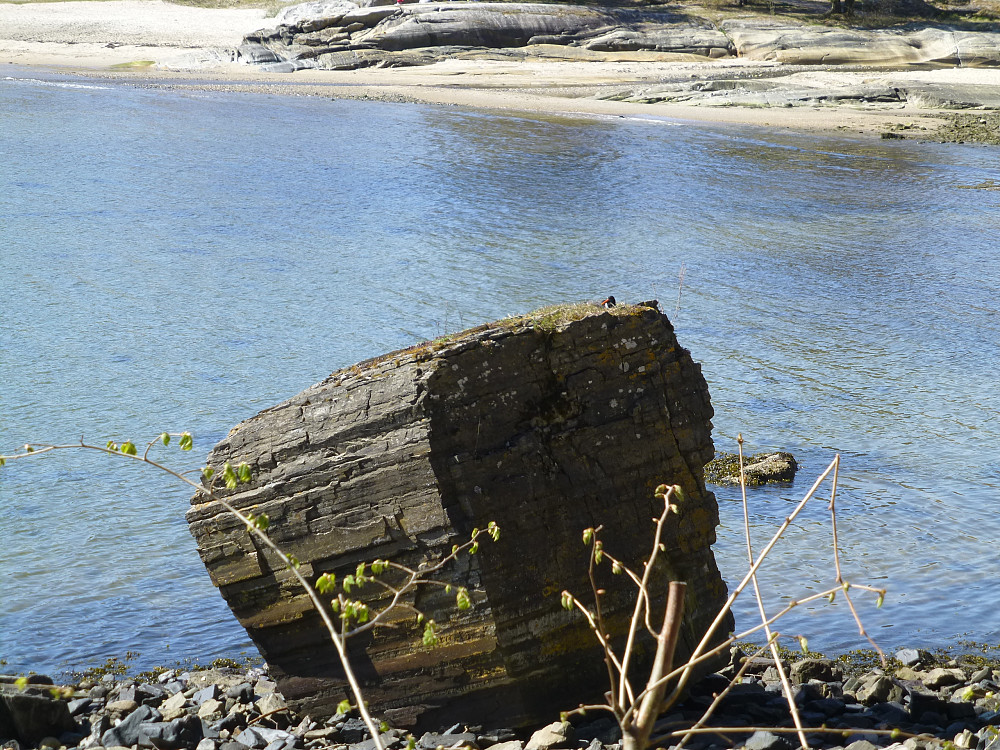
{"points": [[546, 424]]}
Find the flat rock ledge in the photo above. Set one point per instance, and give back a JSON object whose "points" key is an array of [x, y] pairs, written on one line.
{"points": [[342, 35], [229, 709], [546, 424]]}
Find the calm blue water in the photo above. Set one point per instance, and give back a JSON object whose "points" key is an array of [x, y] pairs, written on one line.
{"points": [[180, 260]]}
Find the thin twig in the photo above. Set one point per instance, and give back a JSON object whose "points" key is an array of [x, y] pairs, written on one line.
{"points": [[785, 685]]}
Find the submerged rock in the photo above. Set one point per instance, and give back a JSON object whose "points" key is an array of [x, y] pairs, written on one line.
{"points": [[546, 424], [758, 469]]}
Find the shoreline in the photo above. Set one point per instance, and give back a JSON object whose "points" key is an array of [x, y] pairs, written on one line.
{"points": [[491, 85], [233, 708], [150, 43]]}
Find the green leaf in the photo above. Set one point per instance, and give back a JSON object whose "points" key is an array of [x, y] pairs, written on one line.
{"points": [[383, 726], [598, 552], [454, 549], [207, 473], [474, 548], [111, 446], [326, 583], [262, 522], [187, 442], [243, 472], [430, 636], [678, 492], [567, 600], [462, 598], [128, 448], [165, 439], [3, 461], [411, 742], [294, 561], [21, 683], [344, 707], [447, 588], [380, 566], [616, 568], [804, 644], [362, 612], [588, 536], [359, 574], [661, 490], [881, 600], [29, 448], [229, 476], [833, 595], [494, 531], [348, 583]]}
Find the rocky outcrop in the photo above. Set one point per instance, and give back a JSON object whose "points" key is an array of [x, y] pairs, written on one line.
{"points": [[342, 35], [546, 424], [797, 43]]}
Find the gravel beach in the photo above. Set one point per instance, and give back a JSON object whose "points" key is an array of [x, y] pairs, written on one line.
{"points": [[917, 702]]}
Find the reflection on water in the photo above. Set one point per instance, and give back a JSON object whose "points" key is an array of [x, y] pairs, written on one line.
{"points": [[180, 261]]}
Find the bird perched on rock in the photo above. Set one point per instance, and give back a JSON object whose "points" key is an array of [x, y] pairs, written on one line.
{"points": [[609, 302]]}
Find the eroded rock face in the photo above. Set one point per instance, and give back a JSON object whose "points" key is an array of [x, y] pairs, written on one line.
{"points": [[338, 36], [547, 424]]}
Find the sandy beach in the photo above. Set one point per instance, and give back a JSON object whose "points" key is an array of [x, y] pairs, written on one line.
{"points": [[154, 43]]}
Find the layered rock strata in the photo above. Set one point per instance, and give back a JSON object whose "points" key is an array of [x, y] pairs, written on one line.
{"points": [[546, 424], [341, 35]]}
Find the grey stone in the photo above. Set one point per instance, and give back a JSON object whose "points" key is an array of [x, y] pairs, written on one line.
{"points": [[387, 739], [126, 733], [78, 706], [861, 745], [242, 693], [912, 657], [29, 717], [206, 744], [182, 732], [874, 690], [270, 703], [261, 737], [124, 706], [763, 740], [211, 709], [210, 692], [941, 677], [353, 730], [555, 735], [432, 740], [824, 670], [509, 745]]}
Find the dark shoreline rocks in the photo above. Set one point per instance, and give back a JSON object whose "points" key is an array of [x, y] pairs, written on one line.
{"points": [[230, 709]]}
